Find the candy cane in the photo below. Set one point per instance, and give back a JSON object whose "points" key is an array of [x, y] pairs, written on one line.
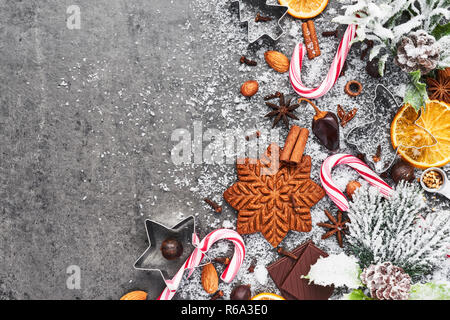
{"points": [[363, 169], [199, 252], [295, 68]]}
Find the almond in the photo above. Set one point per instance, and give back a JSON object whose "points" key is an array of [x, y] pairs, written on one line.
{"points": [[277, 61], [249, 88], [135, 295], [210, 279]]}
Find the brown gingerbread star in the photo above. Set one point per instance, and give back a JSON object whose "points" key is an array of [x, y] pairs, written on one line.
{"points": [[265, 201]]}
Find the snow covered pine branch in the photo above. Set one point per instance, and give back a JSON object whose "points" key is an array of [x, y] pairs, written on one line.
{"points": [[397, 229]]}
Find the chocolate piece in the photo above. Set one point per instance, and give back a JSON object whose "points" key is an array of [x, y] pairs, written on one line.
{"points": [[171, 249], [280, 269], [402, 171], [325, 127], [241, 292], [299, 287], [264, 200]]}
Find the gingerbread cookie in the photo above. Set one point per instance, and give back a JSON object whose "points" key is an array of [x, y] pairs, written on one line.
{"points": [[274, 203]]}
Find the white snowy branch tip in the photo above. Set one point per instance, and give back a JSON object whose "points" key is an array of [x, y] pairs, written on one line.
{"points": [[336, 269], [380, 22], [397, 229]]}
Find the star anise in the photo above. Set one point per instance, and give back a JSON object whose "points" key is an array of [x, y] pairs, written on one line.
{"points": [[337, 227], [282, 111], [439, 88]]}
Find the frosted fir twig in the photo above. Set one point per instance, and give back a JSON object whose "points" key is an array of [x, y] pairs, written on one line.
{"points": [[384, 23], [394, 230]]}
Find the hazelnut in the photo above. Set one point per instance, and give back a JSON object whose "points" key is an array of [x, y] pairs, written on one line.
{"points": [[249, 88], [351, 188]]}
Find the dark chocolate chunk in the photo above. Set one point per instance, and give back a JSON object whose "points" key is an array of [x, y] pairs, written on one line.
{"points": [[171, 249], [241, 292], [402, 171], [300, 288], [280, 269]]}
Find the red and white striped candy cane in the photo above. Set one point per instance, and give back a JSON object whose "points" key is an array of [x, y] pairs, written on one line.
{"points": [[199, 252], [295, 68], [363, 169]]}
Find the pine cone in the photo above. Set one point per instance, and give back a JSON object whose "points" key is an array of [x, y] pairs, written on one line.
{"points": [[418, 51], [386, 281]]}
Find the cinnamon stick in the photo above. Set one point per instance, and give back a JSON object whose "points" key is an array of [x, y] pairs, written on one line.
{"points": [[310, 39], [289, 144], [294, 145], [315, 41], [297, 153]]}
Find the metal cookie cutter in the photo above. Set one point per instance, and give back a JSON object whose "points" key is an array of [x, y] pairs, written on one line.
{"points": [[376, 132], [444, 189], [248, 9], [152, 258]]}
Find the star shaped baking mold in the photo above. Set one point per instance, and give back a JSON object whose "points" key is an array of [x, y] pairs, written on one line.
{"points": [[153, 259], [249, 9], [274, 203]]}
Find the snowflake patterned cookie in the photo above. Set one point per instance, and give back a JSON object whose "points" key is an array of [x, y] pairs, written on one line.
{"points": [[266, 201]]}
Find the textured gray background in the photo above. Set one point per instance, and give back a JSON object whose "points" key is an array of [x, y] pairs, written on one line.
{"points": [[62, 203], [85, 123]]}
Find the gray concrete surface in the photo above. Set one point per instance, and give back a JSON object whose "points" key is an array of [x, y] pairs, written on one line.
{"points": [[86, 118], [64, 201]]}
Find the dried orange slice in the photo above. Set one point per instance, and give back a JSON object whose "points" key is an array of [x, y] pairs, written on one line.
{"points": [[304, 9], [428, 132], [268, 296]]}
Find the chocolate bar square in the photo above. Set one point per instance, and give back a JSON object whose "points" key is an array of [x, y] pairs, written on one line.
{"points": [[281, 268], [296, 286]]}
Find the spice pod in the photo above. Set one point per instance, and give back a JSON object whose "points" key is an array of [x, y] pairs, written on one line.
{"points": [[435, 180], [269, 16], [155, 257]]}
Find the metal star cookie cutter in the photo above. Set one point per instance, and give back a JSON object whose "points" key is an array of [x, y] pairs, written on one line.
{"points": [[369, 135], [264, 9], [153, 260]]}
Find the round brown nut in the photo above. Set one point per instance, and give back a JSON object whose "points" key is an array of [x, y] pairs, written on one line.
{"points": [[249, 88], [351, 188]]}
